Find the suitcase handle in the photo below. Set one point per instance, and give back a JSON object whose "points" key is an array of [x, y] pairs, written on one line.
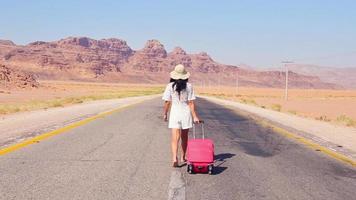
{"points": [[202, 128]]}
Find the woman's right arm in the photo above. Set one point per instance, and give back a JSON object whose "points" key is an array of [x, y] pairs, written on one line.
{"points": [[192, 110], [167, 102], [191, 98], [166, 107]]}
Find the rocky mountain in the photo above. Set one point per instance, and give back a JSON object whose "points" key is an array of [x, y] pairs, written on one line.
{"points": [[10, 78], [6, 46], [112, 60]]}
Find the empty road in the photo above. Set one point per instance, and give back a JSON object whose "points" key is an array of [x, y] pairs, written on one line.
{"points": [[126, 155]]}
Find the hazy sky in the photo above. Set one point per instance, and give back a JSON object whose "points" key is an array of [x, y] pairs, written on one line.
{"points": [[256, 32]]}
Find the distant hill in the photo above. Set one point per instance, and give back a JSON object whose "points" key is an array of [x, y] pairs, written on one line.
{"points": [[112, 60], [345, 77]]}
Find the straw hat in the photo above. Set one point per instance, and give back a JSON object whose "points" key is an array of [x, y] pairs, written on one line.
{"points": [[179, 72]]}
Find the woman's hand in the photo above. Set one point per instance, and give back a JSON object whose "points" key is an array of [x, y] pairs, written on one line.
{"points": [[196, 120]]}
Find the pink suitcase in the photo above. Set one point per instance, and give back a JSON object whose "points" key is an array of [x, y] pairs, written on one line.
{"points": [[200, 154]]}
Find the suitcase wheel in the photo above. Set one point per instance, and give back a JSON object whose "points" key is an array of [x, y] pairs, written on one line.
{"points": [[210, 169], [190, 169]]}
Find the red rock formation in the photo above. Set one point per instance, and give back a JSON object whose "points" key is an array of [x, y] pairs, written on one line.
{"points": [[179, 56], [10, 78], [82, 58], [148, 59]]}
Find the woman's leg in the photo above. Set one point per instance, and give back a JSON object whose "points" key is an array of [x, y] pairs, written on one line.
{"points": [[184, 142], [174, 143]]}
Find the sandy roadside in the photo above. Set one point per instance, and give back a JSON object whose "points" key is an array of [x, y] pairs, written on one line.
{"points": [[337, 138], [19, 126]]}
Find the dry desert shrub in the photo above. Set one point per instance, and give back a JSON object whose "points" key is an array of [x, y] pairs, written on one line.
{"points": [[323, 118], [292, 112], [276, 107], [348, 121], [4, 109], [248, 101], [56, 104]]}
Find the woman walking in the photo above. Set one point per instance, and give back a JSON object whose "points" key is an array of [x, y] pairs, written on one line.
{"points": [[179, 100]]}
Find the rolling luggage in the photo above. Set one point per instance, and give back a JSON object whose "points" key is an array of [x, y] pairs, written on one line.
{"points": [[200, 153]]}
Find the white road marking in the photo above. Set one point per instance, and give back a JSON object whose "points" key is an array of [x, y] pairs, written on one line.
{"points": [[176, 189]]}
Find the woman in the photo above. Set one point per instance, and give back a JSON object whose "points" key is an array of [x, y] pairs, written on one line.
{"points": [[179, 99]]}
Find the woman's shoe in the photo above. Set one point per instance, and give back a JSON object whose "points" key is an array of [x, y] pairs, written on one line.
{"points": [[175, 164]]}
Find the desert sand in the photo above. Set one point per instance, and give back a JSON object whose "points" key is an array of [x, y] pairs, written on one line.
{"points": [[62, 93], [336, 106]]}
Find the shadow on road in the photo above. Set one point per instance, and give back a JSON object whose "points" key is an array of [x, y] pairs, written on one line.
{"points": [[245, 133], [223, 156], [219, 160]]}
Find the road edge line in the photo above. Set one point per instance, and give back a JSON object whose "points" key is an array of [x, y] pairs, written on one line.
{"points": [[307, 142], [64, 129]]}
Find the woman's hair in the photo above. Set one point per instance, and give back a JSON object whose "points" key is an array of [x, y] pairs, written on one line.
{"points": [[179, 84]]}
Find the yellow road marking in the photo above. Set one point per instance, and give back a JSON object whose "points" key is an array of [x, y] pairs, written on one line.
{"points": [[43, 136], [309, 143], [303, 140]]}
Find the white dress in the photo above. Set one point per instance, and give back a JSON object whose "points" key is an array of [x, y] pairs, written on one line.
{"points": [[180, 116]]}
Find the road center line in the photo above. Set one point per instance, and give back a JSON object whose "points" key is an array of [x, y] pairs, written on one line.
{"points": [[176, 190]]}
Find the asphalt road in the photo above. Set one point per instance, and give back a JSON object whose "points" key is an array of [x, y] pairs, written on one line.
{"points": [[127, 156]]}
